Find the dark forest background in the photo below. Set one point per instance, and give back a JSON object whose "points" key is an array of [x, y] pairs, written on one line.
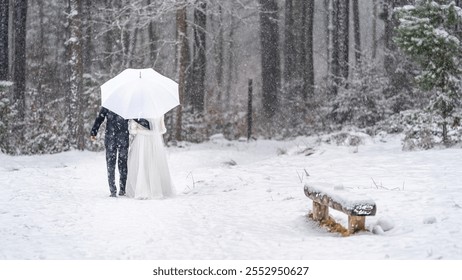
{"points": [[312, 67]]}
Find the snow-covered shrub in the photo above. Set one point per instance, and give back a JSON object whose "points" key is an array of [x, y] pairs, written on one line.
{"points": [[46, 129], [423, 129], [194, 127], [4, 116], [361, 103], [346, 138]]}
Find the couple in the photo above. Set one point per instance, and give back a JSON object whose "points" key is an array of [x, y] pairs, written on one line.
{"points": [[146, 175]]}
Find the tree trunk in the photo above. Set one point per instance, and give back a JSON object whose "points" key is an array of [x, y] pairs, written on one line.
{"points": [[335, 63], [344, 37], [87, 27], [387, 36], [271, 73], [183, 61], [308, 86], [75, 120], [19, 78], [289, 43], [152, 37], [327, 27], [108, 42], [4, 20], [374, 29], [291, 30], [357, 32], [197, 93], [219, 56], [133, 39], [41, 57], [231, 61]]}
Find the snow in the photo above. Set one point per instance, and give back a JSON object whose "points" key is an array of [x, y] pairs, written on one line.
{"points": [[58, 206], [339, 194], [5, 83]]}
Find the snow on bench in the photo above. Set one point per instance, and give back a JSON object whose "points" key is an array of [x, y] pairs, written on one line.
{"points": [[355, 206]]}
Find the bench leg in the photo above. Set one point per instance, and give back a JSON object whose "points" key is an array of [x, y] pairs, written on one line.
{"points": [[356, 223], [320, 212]]}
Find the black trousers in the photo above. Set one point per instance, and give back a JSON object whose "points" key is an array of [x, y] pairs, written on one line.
{"points": [[116, 146]]}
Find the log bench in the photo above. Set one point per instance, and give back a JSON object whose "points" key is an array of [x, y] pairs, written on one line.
{"points": [[355, 206]]}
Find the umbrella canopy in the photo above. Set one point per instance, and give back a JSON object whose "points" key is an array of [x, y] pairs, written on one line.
{"points": [[140, 93]]}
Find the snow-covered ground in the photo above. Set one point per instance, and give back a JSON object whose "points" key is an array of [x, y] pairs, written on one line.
{"points": [[57, 206]]}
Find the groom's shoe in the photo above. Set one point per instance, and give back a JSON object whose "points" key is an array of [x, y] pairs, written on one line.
{"points": [[121, 193], [113, 195]]}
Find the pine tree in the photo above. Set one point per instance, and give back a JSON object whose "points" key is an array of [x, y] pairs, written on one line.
{"points": [[427, 34]]}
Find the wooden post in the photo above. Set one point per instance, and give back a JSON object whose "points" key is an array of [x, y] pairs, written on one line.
{"points": [[249, 110], [356, 223], [320, 212]]}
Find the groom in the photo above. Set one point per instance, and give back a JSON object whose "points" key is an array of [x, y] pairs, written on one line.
{"points": [[116, 141]]}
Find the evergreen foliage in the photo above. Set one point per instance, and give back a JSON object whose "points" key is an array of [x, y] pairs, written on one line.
{"points": [[428, 34]]}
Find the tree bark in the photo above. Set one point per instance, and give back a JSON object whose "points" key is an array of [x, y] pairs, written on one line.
{"points": [[387, 36], [327, 27], [75, 120], [344, 37], [357, 32], [152, 37], [41, 56], [4, 21], [271, 72], [289, 42], [374, 29], [109, 42], [219, 55], [183, 61], [335, 60], [231, 61], [308, 86], [197, 93], [87, 28], [19, 78]]}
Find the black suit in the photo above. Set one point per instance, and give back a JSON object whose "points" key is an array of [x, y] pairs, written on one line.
{"points": [[116, 141]]}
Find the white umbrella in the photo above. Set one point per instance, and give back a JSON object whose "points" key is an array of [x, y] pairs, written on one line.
{"points": [[140, 93]]}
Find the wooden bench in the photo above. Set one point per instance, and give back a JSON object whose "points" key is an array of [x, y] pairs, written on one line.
{"points": [[355, 206]]}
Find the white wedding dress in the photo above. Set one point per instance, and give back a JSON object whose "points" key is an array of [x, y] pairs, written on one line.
{"points": [[148, 173]]}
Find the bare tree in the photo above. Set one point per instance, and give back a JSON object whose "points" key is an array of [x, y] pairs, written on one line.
{"points": [[271, 72]]}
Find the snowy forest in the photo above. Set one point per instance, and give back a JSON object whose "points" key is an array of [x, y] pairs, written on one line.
{"points": [[245, 68]]}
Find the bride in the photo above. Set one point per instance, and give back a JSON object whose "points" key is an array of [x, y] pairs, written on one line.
{"points": [[148, 173]]}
